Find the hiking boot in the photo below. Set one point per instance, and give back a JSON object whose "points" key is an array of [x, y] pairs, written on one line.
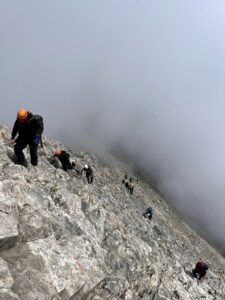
{"points": [[23, 163]]}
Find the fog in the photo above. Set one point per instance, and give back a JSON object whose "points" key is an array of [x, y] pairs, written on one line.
{"points": [[145, 76]]}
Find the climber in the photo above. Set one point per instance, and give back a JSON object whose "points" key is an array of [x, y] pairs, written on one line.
{"points": [[64, 158], [29, 128], [89, 173], [125, 181], [148, 213], [131, 186], [200, 270]]}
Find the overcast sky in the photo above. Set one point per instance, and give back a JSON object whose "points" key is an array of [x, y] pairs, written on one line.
{"points": [[146, 75]]}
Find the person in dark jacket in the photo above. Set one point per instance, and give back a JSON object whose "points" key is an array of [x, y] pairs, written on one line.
{"points": [[89, 173], [131, 186], [29, 128], [200, 270], [125, 181], [64, 158], [148, 213]]}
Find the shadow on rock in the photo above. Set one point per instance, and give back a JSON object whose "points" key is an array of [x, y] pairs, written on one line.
{"points": [[189, 273], [11, 155]]}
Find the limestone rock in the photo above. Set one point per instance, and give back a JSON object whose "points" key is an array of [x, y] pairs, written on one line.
{"points": [[63, 239], [8, 231]]}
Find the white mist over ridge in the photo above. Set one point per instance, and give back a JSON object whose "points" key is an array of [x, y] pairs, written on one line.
{"points": [[145, 75], [184, 153]]}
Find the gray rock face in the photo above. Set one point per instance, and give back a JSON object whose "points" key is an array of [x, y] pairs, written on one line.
{"points": [[8, 231], [63, 239]]}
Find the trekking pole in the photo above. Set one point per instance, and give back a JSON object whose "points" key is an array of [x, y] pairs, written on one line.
{"points": [[8, 143], [4, 145]]}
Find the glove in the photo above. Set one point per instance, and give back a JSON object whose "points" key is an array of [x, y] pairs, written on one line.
{"points": [[12, 141], [36, 140]]}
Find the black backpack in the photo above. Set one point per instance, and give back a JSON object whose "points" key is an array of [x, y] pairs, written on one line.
{"points": [[202, 265], [40, 123], [37, 126], [149, 210]]}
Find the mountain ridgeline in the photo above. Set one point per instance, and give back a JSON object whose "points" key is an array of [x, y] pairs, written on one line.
{"points": [[64, 239]]}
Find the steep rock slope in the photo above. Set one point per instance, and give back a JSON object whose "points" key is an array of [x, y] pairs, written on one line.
{"points": [[62, 239]]}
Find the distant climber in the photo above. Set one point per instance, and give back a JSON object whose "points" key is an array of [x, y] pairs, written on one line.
{"points": [[29, 128], [148, 214], [64, 158], [200, 270], [125, 181], [89, 173], [131, 186]]}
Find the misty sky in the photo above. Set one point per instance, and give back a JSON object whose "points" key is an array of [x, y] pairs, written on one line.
{"points": [[146, 75]]}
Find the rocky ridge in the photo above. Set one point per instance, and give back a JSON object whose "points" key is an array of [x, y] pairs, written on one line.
{"points": [[63, 239]]}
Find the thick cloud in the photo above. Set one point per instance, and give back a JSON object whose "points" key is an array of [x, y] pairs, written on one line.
{"points": [[147, 76]]}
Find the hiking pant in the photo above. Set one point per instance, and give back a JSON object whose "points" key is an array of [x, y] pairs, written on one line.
{"points": [[18, 149], [89, 178], [68, 166], [131, 190]]}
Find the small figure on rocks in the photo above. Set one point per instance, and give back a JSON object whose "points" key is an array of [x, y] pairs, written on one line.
{"points": [[89, 173], [125, 181], [64, 158], [131, 186], [29, 128], [148, 213], [200, 270]]}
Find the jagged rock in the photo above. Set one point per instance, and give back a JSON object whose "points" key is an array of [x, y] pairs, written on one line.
{"points": [[63, 239], [8, 231]]}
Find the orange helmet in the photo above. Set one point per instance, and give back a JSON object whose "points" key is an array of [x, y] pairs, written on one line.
{"points": [[22, 114], [57, 152]]}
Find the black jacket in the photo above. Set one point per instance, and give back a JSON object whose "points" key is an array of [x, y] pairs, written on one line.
{"points": [[64, 158], [26, 130], [89, 171]]}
